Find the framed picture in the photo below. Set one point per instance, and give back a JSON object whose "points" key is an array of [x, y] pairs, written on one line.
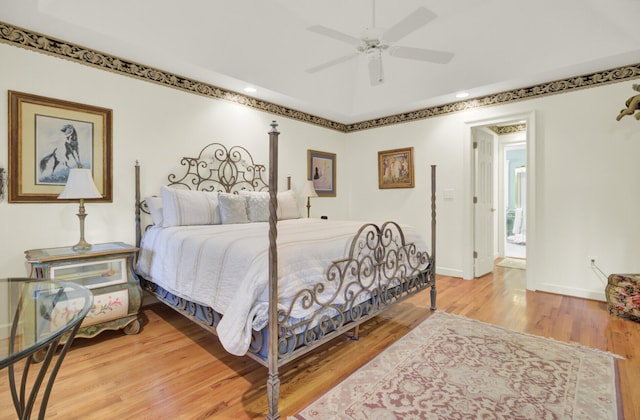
{"points": [[47, 138], [322, 171], [395, 168]]}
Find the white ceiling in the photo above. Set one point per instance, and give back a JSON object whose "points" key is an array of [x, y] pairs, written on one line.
{"points": [[498, 44]]}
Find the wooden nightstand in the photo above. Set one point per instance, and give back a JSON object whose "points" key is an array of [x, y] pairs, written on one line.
{"points": [[107, 270]]}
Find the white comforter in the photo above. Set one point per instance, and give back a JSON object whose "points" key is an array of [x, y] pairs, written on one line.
{"points": [[226, 266]]}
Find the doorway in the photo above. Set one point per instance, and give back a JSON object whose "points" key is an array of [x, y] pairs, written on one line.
{"points": [[507, 133]]}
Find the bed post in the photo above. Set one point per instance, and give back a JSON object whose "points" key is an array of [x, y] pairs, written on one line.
{"points": [[433, 236], [137, 213], [273, 382]]}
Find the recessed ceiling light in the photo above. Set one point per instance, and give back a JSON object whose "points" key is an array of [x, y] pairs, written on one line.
{"points": [[250, 89], [462, 95]]}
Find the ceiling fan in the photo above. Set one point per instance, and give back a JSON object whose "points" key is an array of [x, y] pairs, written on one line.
{"points": [[372, 44]]}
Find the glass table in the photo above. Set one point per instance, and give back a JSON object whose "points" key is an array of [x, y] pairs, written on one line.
{"points": [[39, 315]]}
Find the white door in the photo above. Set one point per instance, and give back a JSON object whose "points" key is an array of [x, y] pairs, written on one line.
{"points": [[483, 203]]}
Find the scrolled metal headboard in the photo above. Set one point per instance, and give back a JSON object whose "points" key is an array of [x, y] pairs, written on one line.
{"points": [[216, 168], [220, 169]]}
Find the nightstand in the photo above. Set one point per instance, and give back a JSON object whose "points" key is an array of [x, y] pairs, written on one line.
{"points": [[107, 270]]}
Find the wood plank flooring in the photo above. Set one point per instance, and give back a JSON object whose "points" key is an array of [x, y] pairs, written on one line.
{"points": [[175, 370]]}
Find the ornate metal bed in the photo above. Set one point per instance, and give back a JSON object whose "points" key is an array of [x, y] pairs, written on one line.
{"points": [[381, 266]]}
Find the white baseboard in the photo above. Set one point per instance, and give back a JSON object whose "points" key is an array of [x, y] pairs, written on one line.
{"points": [[446, 271], [572, 291]]}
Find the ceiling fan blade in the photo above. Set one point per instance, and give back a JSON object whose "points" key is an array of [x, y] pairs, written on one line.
{"points": [[432, 56], [376, 74], [412, 22], [331, 63], [331, 33]]}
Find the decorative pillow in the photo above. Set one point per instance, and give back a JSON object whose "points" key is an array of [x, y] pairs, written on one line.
{"points": [[288, 205], [187, 207], [257, 205], [154, 204], [233, 209]]}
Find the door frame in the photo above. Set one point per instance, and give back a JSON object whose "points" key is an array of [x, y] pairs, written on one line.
{"points": [[467, 198]]}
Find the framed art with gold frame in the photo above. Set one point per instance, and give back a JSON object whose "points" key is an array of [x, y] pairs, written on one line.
{"points": [[47, 137], [321, 169], [395, 168]]}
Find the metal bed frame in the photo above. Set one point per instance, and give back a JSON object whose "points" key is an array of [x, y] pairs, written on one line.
{"points": [[380, 264]]}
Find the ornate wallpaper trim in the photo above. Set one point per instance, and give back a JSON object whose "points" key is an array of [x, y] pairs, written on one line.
{"points": [[24, 38], [545, 89], [508, 129]]}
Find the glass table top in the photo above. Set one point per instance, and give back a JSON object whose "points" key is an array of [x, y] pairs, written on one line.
{"points": [[36, 312]]}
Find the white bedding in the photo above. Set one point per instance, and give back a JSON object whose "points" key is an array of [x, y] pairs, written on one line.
{"points": [[226, 266]]}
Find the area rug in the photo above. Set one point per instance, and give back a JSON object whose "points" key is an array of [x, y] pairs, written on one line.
{"points": [[513, 263], [451, 367]]}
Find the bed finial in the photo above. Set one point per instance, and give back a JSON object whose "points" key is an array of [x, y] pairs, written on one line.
{"points": [[274, 130]]}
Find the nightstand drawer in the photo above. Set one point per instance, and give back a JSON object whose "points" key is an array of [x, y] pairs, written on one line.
{"points": [[92, 274], [107, 307]]}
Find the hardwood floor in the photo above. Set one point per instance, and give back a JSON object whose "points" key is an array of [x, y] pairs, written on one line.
{"points": [[175, 370]]}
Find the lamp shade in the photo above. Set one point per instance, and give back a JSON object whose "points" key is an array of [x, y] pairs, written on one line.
{"points": [[308, 190], [79, 185]]}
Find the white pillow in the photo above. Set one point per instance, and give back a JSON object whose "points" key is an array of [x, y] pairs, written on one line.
{"points": [[257, 205], [187, 207], [233, 209], [288, 205], [155, 208]]}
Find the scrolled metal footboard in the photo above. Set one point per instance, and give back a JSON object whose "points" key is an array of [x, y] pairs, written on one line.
{"points": [[380, 270]]}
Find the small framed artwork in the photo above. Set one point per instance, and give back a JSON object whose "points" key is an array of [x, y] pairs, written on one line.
{"points": [[322, 171], [395, 168], [47, 138]]}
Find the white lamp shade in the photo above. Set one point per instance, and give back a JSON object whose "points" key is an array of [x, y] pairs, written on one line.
{"points": [[80, 185], [308, 190]]}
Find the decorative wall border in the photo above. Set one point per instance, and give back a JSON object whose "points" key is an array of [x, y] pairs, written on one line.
{"points": [[24, 38], [546, 89], [508, 129]]}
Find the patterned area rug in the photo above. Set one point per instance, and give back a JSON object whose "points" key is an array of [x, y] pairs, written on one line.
{"points": [[451, 367], [513, 263]]}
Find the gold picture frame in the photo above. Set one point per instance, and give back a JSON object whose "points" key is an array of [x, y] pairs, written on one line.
{"points": [[395, 168], [47, 137], [321, 169]]}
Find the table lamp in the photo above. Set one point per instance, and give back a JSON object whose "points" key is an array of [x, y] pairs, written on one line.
{"points": [[80, 186], [309, 191]]}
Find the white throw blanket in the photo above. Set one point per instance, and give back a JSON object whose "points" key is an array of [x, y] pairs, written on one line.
{"points": [[226, 267]]}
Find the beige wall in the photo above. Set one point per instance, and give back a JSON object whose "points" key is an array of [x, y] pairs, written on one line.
{"points": [[153, 124], [586, 186], [586, 182]]}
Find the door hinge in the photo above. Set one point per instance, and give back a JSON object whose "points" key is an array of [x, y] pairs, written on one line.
{"points": [[475, 200], [475, 144], [475, 254]]}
